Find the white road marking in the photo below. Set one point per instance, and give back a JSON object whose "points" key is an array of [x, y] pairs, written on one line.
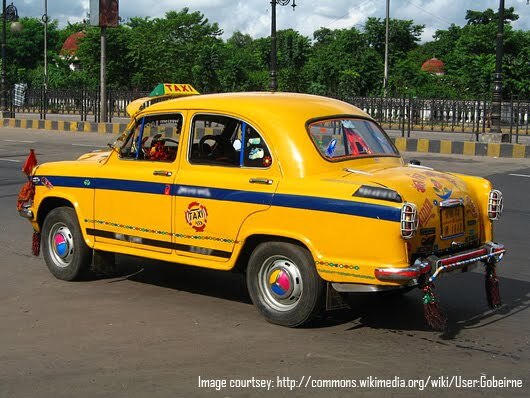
{"points": [[11, 160], [91, 146], [21, 141], [520, 175]]}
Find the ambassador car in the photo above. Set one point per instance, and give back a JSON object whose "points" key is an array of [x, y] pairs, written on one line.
{"points": [[305, 194]]}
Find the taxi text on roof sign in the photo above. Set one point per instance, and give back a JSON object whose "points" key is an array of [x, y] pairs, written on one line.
{"points": [[161, 92], [173, 89]]}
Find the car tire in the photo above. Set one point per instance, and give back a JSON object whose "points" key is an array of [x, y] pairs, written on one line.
{"points": [[283, 283], [63, 246]]}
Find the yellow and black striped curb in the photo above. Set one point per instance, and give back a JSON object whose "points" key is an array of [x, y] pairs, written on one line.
{"points": [[426, 145], [471, 148], [63, 125], [446, 128], [90, 127]]}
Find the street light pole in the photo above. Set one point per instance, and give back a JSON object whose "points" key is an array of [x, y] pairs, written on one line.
{"points": [[45, 19], [9, 14], [273, 86], [387, 29], [495, 133]]}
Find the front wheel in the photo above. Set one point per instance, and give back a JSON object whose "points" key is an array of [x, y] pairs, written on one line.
{"points": [[283, 283], [63, 247]]}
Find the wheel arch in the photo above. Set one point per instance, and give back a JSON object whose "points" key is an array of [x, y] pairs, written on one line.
{"points": [[252, 241], [48, 204]]}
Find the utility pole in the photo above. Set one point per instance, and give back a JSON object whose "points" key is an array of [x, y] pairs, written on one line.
{"points": [[273, 86], [495, 134], [105, 14], [387, 30], [103, 75], [45, 20]]}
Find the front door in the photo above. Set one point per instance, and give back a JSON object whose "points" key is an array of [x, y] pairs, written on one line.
{"points": [[133, 190]]}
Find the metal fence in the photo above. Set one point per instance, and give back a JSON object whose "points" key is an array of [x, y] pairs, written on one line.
{"points": [[464, 116], [80, 102], [404, 114]]}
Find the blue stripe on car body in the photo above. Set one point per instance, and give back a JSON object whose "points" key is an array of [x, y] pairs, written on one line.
{"points": [[316, 203]]}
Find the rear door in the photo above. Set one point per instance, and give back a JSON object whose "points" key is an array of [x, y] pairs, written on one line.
{"points": [[229, 173]]}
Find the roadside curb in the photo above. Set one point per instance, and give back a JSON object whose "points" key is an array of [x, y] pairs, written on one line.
{"points": [[63, 125], [468, 148], [422, 145]]}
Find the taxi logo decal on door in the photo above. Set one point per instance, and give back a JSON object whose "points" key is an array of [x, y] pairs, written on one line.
{"points": [[196, 216]]}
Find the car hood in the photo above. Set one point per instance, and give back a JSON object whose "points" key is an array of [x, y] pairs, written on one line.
{"points": [[96, 156], [83, 166]]}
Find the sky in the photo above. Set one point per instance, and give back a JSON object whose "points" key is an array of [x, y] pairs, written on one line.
{"points": [[254, 16]]}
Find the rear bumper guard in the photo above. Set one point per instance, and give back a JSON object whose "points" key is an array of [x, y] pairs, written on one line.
{"points": [[434, 266], [26, 212]]}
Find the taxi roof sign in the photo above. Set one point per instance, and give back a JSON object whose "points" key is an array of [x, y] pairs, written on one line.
{"points": [[161, 92], [173, 89]]}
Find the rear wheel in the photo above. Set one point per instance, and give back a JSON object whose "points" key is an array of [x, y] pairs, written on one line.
{"points": [[63, 247], [283, 283]]}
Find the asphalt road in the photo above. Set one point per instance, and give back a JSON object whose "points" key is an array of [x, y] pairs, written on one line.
{"points": [[157, 328]]}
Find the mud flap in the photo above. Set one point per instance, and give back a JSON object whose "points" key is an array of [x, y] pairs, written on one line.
{"points": [[492, 285], [103, 263], [333, 299]]}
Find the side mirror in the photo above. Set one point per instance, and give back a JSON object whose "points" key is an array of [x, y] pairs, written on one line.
{"points": [[415, 162]]}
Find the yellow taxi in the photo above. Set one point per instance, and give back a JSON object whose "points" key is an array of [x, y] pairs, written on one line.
{"points": [[305, 194]]}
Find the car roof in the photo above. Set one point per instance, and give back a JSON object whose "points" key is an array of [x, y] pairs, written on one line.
{"points": [[283, 116], [262, 106]]}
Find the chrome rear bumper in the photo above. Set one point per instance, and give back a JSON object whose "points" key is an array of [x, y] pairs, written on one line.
{"points": [[434, 266]]}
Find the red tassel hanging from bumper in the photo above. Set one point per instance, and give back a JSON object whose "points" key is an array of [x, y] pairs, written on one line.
{"points": [[26, 194], [433, 315], [35, 244], [492, 286]]}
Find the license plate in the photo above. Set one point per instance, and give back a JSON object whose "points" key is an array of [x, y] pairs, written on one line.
{"points": [[452, 219]]}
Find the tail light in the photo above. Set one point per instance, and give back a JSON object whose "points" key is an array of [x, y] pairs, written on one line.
{"points": [[409, 220], [495, 204]]}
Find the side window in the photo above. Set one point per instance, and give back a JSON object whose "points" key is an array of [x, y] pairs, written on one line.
{"points": [[153, 138], [255, 151], [227, 141]]}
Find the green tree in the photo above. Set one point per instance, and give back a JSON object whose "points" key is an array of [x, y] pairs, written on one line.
{"points": [[343, 64], [243, 69], [403, 36], [25, 49], [469, 54], [89, 57], [293, 54], [488, 16], [182, 47]]}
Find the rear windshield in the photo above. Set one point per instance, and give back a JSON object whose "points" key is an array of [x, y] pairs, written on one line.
{"points": [[346, 138]]}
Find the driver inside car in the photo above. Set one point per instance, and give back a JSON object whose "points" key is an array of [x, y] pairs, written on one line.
{"points": [[217, 148]]}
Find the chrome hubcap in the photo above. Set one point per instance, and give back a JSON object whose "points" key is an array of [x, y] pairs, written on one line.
{"points": [[61, 244], [280, 283]]}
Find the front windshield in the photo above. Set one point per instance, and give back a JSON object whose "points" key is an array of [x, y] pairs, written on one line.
{"points": [[346, 138]]}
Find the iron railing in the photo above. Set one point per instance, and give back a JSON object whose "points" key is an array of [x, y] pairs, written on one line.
{"points": [[403, 114], [80, 102], [462, 116]]}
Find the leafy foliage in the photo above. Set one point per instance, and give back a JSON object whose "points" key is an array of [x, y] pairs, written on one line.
{"points": [[184, 46]]}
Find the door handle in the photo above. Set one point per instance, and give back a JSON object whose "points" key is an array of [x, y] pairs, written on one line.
{"points": [[264, 181], [163, 173]]}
